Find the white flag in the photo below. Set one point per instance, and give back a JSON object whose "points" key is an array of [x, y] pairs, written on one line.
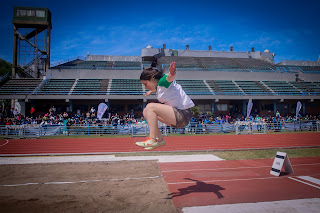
{"points": [[101, 110], [249, 107], [17, 106], [299, 105]]}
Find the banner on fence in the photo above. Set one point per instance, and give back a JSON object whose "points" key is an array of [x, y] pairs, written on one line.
{"points": [[101, 110], [249, 108], [299, 105]]}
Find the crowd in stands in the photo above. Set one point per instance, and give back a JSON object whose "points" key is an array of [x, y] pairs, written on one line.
{"points": [[13, 117]]}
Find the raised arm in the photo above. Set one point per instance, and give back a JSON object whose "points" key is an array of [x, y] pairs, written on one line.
{"points": [[172, 72]]}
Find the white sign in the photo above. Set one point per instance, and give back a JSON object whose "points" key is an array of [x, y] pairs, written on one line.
{"points": [[299, 105], [281, 160], [249, 108]]}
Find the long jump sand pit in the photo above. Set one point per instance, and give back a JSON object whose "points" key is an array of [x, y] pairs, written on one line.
{"points": [[124, 186]]}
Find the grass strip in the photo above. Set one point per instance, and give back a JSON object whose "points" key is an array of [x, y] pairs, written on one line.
{"points": [[238, 155]]}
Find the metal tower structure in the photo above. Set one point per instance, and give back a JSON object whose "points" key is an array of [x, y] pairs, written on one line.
{"points": [[31, 41]]}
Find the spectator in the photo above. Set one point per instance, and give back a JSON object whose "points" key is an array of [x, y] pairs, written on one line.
{"points": [[15, 113], [54, 110], [65, 115], [32, 111]]}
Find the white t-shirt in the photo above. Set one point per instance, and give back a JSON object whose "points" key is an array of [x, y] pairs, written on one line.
{"points": [[172, 94]]}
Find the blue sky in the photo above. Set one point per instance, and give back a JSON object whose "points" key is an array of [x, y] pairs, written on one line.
{"points": [[291, 29]]}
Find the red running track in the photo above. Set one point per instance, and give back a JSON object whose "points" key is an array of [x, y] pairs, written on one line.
{"points": [[246, 181], [177, 143]]}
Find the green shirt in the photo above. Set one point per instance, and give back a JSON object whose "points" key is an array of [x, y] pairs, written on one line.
{"points": [[163, 81]]}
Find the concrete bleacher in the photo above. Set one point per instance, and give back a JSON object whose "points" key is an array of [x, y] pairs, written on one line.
{"points": [[57, 86], [293, 69], [253, 88], [125, 65], [194, 87], [238, 64], [126, 87], [134, 87], [66, 63], [306, 86], [224, 87], [314, 86], [310, 69], [282, 87], [19, 86], [92, 64], [178, 59], [217, 64], [317, 83], [134, 65], [190, 63], [90, 87], [251, 62]]}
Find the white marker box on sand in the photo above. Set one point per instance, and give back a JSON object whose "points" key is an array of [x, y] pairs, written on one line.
{"points": [[281, 160]]}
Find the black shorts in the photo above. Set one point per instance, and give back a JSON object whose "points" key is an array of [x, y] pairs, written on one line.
{"points": [[183, 117]]}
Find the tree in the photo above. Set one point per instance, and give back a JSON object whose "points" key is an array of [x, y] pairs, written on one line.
{"points": [[195, 111], [5, 67]]}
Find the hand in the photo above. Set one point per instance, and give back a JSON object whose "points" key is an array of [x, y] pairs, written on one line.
{"points": [[149, 93], [172, 69]]}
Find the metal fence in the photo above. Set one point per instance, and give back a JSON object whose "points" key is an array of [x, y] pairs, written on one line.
{"points": [[37, 131]]}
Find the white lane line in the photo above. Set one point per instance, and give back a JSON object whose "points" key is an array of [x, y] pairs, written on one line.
{"points": [[188, 170], [136, 178], [309, 184], [210, 181], [310, 179], [249, 167], [26, 184], [83, 181], [5, 143], [22, 184]]}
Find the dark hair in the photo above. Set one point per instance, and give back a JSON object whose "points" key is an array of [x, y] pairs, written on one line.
{"points": [[151, 72]]}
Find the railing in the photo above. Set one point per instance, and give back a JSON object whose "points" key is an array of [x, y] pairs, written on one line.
{"points": [[36, 130], [229, 93], [52, 92], [87, 92], [5, 77], [114, 92], [42, 83]]}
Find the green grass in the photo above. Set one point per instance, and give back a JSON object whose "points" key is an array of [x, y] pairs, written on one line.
{"points": [[238, 155], [267, 154]]}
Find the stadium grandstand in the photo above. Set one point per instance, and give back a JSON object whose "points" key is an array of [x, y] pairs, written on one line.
{"points": [[219, 82]]}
